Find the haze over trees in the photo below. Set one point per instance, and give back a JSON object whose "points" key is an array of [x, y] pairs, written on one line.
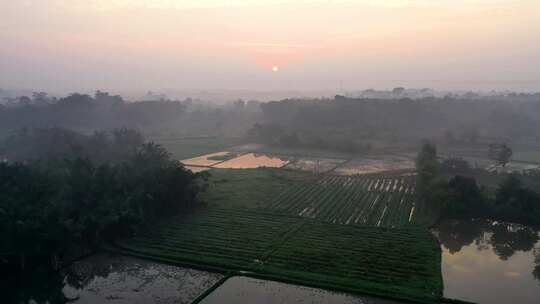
{"points": [[359, 123], [63, 194], [453, 192]]}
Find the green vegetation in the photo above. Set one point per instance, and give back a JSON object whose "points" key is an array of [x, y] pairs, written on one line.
{"points": [[452, 190], [395, 263], [61, 206], [375, 200], [399, 263], [501, 153], [59, 144], [249, 188]]}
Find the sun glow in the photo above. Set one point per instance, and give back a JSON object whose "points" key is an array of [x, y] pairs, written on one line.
{"points": [[275, 68]]}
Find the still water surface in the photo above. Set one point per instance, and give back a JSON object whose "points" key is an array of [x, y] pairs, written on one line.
{"points": [[490, 262], [239, 290], [105, 278]]}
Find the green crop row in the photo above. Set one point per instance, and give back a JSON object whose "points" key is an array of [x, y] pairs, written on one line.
{"points": [[374, 200], [398, 263]]}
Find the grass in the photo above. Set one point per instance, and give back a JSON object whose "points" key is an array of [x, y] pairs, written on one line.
{"points": [[249, 188], [396, 263], [188, 147]]}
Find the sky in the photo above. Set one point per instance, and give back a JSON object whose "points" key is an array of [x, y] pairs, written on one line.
{"points": [[76, 45]]}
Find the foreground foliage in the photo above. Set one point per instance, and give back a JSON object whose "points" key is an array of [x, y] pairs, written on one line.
{"points": [[49, 208]]}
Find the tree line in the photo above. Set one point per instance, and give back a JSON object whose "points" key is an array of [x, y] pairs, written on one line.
{"points": [[451, 190], [56, 204], [357, 121]]}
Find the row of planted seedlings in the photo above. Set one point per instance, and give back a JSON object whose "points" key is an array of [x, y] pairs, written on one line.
{"points": [[380, 261], [225, 238], [369, 200]]}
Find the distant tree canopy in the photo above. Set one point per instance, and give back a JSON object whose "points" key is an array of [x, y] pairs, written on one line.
{"points": [[57, 143], [451, 195], [500, 153], [461, 120], [274, 134], [65, 198], [83, 111]]}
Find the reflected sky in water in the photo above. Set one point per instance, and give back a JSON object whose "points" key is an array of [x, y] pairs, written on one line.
{"points": [[490, 262], [239, 290], [106, 278]]}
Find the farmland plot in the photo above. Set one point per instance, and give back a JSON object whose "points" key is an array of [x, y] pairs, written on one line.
{"points": [[205, 160], [375, 165], [254, 160], [218, 238], [374, 200], [316, 165], [380, 261], [398, 263]]}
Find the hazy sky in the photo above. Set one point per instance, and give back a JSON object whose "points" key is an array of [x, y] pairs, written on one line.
{"points": [[74, 45]]}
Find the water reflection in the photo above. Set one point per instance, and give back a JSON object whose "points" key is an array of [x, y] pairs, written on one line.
{"points": [[254, 160], [504, 239], [490, 262], [117, 279], [239, 290]]}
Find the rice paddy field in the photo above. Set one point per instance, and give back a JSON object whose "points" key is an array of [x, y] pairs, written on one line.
{"points": [[333, 223], [254, 160], [369, 165], [315, 165], [374, 200], [402, 264]]}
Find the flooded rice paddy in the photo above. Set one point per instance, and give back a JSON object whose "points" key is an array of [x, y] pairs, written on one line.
{"points": [[316, 165], [490, 262], [375, 165], [196, 169], [205, 160], [105, 278], [254, 160], [237, 290], [490, 165]]}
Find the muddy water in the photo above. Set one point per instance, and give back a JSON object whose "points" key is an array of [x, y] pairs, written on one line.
{"points": [[239, 290], [490, 262], [105, 278], [253, 160]]}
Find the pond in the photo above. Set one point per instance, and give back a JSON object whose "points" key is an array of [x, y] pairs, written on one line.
{"points": [[490, 262], [105, 278], [238, 290]]}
